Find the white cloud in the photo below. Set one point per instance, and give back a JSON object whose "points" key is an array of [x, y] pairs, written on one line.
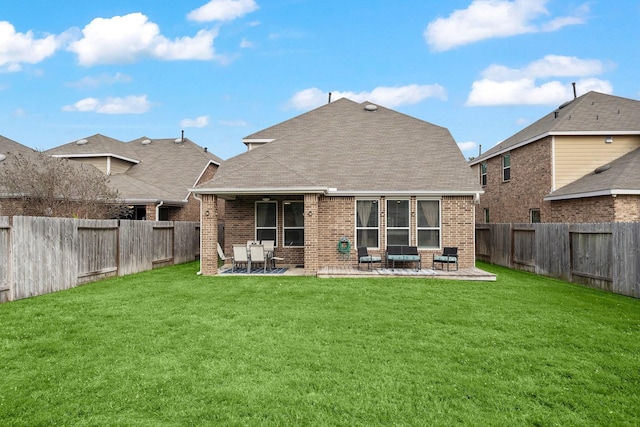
{"points": [[526, 92], [24, 48], [486, 19], [502, 85], [390, 97], [123, 39], [549, 66], [129, 105], [222, 10], [198, 122], [246, 44], [468, 145], [101, 80]]}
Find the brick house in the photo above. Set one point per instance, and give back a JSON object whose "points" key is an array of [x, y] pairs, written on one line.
{"points": [[346, 170], [153, 176], [579, 163]]}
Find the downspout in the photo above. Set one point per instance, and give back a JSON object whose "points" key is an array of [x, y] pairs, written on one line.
{"points": [[158, 209], [195, 196]]}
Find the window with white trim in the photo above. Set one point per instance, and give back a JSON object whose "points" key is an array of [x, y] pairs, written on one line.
{"points": [[506, 167], [397, 222], [367, 223], [267, 221], [483, 174], [534, 215], [428, 223], [293, 223]]}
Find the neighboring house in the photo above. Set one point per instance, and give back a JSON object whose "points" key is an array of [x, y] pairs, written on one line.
{"points": [[153, 176], [9, 204], [579, 163], [343, 171]]}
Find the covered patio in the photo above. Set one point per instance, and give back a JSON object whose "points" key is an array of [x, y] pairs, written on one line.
{"points": [[348, 271]]}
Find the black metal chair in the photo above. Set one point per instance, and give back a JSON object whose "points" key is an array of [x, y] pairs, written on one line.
{"points": [[365, 258], [449, 256]]}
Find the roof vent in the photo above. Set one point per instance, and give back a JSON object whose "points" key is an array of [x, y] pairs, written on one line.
{"points": [[145, 142], [81, 141], [564, 104], [603, 168], [371, 107], [2, 157]]}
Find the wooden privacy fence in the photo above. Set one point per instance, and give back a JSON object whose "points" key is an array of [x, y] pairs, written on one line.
{"points": [[604, 255], [39, 255]]}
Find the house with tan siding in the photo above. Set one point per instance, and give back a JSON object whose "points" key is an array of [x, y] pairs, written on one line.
{"points": [[346, 173], [579, 163], [152, 176]]}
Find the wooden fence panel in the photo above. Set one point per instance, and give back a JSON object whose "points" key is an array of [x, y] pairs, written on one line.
{"points": [[162, 245], [5, 257], [501, 244], [136, 252], [626, 259], [44, 255], [97, 249], [552, 250], [186, 241], [483, 242], [524, 247], [592, 255]]}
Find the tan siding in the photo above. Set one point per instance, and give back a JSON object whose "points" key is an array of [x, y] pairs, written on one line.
{"points": [[119, 165], [576, 156], [98, 162]]}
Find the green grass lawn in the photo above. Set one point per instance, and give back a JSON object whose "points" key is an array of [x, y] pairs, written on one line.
{"points": [[169, 348]]}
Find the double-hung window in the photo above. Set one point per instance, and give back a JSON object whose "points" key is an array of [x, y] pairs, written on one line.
{"points": [[483, 174], [428, 223], [266, 221], [367, 223], [506, 167], [397, 222], [293, 224]]}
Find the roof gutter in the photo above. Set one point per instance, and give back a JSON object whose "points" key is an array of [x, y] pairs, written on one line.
{"points": [[613, 192]]}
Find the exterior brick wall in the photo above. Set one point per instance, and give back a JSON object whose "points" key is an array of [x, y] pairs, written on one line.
{"points": [[530, 181], [209, 235], [590, 209], [328, 219], [627, 208]]}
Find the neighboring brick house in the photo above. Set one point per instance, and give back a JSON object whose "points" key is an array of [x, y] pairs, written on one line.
{"points": [[579, 163], [153, 176], [345, 170]]}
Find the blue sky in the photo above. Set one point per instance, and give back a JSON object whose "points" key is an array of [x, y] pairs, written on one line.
{"points": [[224, 69]]}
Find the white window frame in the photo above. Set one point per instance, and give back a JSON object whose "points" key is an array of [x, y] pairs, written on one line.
{"points": [[255, 220], [438, 227], [505, 168], [531, 212], [377, 228], [483, 174], [284, 225], [407, 228]]}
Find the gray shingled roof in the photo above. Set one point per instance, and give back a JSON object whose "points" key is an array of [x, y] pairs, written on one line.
{"points": [[622, 176], [343, 146], [590, 114], [162, 169], [8, 149]]}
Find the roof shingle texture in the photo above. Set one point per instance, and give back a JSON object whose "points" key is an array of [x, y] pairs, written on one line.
{"points": [[165, 169], [342, 145]]}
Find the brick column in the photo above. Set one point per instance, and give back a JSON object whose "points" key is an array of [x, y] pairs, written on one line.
{"points": [[209, 235], [311, 234]]}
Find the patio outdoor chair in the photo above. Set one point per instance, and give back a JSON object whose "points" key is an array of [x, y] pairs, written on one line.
{"points": [[221, 254], [269, 248], [258, 256], [449, 256], [365, 258], [239, 256]]}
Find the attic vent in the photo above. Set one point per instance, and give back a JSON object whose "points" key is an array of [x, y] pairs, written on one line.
{"points": [[370, 107], [178, 140], [2, 157], [81, 141], [602, 168], [145, 142]]}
